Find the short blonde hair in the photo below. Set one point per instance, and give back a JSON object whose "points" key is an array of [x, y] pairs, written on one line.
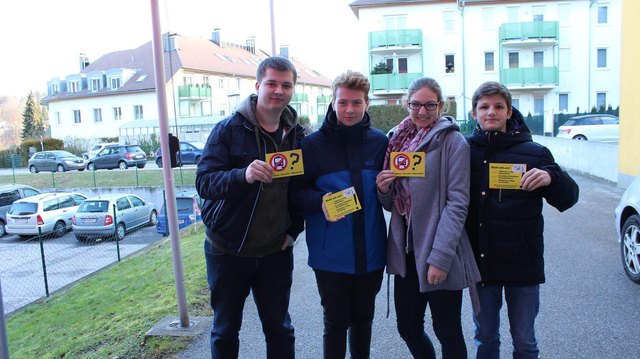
{"points": [[352, 80]]}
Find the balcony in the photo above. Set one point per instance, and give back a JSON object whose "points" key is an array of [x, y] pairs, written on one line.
{"points": [[300, 98], [391, 83], [194, 92], [395, 39], [323, 100], [535, 31], [530, 77]]}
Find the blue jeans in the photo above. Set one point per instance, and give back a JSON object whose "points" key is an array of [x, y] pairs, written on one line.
{"points": [[523, 304], [446, 308], [230, 280], [348, 301]]}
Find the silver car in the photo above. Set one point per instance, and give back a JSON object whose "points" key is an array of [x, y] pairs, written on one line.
{"points": [[628, 228], [112, 216], [47, 212]]}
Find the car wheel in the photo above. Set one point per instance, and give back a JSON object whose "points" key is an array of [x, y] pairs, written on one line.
{"points": [[2, 230], [141, 166], [60, 168], [153, 218], [91, 166], [123, 165], [121, 231], [630, 247], [159, 162], [580, 138], [33, 169], [59, 229], [80, 169]]}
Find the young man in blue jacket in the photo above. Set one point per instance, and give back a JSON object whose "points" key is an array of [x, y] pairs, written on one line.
{"points": [[347, 253], [250, 227], [505, 226]]}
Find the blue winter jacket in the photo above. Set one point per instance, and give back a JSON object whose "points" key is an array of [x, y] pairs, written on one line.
{"points": [[337, 157]]}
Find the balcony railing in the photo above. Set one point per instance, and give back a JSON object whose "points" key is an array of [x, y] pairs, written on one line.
{"points": [[388, 82], [535, 30], [399, 38], [323, 100], [300, 97], [194, 91], [529, 76]]}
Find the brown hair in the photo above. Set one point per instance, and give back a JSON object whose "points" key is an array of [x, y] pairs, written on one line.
{"points": [[491, 88], [278, 63]]}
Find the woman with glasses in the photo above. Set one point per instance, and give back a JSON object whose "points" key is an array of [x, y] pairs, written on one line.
{"points": [[428, 250]]}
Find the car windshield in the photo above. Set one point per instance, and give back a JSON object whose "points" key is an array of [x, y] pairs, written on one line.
{"points": [[93, 207], [132, 149], [62, 154], [22, 208]]}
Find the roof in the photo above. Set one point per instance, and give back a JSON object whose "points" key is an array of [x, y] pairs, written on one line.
{"points": [[358, 4], [190, 54]]}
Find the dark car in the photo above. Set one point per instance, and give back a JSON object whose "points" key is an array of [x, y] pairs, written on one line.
{"points": [[118, 156], [190, 153], [55, 161], [10, 193], [188, 206]]}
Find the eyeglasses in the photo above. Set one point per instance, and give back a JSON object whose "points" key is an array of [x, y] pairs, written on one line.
{"points": [[429, 106]]}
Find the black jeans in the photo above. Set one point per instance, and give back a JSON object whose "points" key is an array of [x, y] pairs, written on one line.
{"points": [[445, 306], [349, 304]]}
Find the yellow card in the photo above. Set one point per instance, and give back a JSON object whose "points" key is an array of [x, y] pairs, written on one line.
{"points": [[342, 203], [408, 164], [506, 175], [286, 164]]}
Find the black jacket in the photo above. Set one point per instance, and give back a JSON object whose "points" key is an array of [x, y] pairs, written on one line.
{"points": [[506, 226], [229, 201]]}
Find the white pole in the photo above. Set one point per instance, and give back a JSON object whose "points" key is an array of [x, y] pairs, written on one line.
{"points": [[167, 171], [273, 30]]}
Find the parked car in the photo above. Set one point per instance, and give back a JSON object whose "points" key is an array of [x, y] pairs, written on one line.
{"points": [[627, 215], [594, 127], [190, 153], [52, 212], [97, 148], [188, 206], [55, 161], [10, 193], [118, 156], [96, 219]]}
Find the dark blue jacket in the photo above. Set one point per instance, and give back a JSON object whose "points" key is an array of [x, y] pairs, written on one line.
{"points": [[335, 158], [506, 226], [220, 180]]}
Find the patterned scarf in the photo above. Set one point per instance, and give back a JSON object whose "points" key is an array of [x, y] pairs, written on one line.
{"points": [[406, 138]]}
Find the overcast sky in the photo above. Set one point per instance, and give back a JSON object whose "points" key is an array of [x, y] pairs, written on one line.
{"points": [[42, 39]]}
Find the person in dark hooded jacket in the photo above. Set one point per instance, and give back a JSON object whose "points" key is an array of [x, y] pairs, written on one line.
{"points": [[347, 253], [505, 226]]}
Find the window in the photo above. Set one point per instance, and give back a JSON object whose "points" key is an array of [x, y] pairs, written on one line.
{"points": [[601, 100], [402, 65], [447, 18], [76, 116], [538, 17], [602, 14], [488, 61], [135, 201], [205, 80], [538, 12], [538, 105], [74, 86], [563, 102], [449, 63], [54, 89], [395, 22], [7, 198], [122, 203], [538, 59], [221, 83], [117, 113], [514, 60], [95, 85], [97, 115], [186, 80], [602, 58], [137, 112], [115, 82], [58, 119]]}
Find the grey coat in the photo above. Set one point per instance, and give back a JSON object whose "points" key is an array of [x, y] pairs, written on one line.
{"points": [[439, 203]]}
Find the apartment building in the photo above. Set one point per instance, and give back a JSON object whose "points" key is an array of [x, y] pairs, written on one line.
{"points": [[555, 56], [115, 96]]}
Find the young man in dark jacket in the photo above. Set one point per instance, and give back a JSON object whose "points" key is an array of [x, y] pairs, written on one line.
{"points": [[347, 253], [250, 227], [505, 226]]}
